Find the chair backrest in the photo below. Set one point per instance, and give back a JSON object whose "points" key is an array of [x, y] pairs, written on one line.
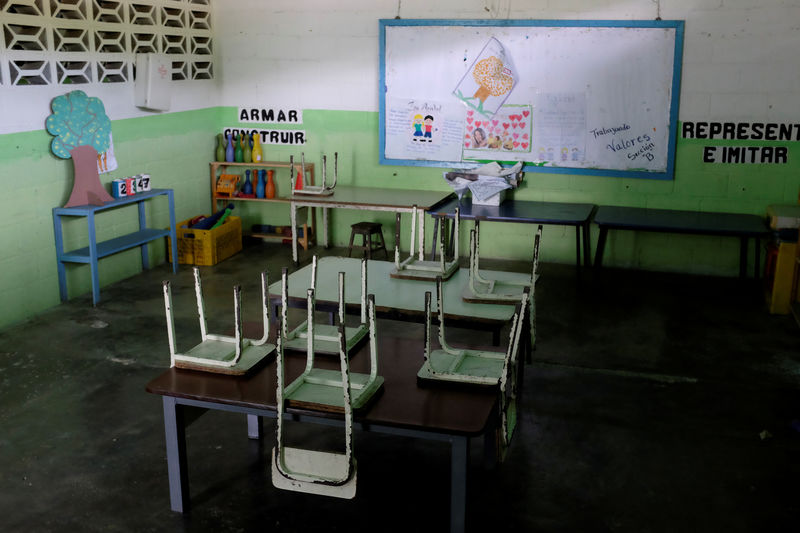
{"points": [[280, 459]]}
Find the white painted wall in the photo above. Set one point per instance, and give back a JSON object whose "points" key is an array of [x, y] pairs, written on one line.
{"points": [[741, 57]]}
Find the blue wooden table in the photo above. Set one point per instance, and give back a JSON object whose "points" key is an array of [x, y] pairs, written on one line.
{"points": [[522, 211], [738, 225], [90, 254]]}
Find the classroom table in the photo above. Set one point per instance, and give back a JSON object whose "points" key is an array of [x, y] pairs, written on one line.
{"points": [[400, 299], [364, 199], [521, 211], [403, 409], [687, 222]]}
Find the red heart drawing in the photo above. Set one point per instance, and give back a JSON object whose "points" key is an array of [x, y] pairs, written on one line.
{"points": [[494, 122], [478, 123], [524, 135], [526, 113], [516, 135], [466, 144], [516, 145], [470, 113], [505, 125], [525, 146], [469, 120], [522, 124], [514, 124], [466, 136]]}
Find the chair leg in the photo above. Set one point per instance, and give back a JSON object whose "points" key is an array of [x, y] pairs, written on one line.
{"points": [[367, 245], [383, 244], [350, 247]]}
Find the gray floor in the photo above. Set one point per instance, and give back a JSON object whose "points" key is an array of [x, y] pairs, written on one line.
{"points": [[656, 403]]}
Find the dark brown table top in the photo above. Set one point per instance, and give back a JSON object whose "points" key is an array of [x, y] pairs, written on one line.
{"points": [[402, 404], [374, 197]]}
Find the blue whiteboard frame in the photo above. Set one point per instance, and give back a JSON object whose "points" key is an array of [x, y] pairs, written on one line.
{"points": [[678, 25]]}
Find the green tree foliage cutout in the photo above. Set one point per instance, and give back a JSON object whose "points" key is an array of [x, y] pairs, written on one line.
{"points": [[82, 130]]}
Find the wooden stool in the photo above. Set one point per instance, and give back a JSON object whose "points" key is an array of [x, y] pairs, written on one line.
{"points": [[367, 230]]}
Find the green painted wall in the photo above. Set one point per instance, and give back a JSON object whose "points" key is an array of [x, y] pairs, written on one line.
{"points": [[697, 186], [175, 149], [171, 148]]}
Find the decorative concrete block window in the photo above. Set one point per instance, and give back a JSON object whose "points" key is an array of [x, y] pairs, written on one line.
{"points": [[66, 42]]}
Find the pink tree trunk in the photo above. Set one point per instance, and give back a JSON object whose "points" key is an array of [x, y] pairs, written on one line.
{"points": [[87, 188]]}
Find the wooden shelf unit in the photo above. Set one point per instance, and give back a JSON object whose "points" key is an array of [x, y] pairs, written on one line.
{"points": [[219, 167]]}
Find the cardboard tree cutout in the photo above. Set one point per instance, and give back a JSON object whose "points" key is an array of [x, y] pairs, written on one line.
{"points": [[82, 130]]}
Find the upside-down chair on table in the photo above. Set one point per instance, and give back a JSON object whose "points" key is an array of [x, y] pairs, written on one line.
{"points": [[326, 337], [220, 353], [415, 267]]}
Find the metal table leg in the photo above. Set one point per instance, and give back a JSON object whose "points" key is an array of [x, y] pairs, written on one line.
{"points": [[601, 243], [459, 457], [742, 257], [254, 427], [175, 431], [586, 244]]}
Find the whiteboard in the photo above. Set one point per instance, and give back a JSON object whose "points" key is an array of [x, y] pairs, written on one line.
{"points": [[577, 97]]}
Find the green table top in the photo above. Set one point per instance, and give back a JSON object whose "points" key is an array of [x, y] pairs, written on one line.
{"points": [[405, 297]]}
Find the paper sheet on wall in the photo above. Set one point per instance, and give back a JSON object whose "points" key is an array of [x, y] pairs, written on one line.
{"points": [[559, 128], [505, 136], [424, 129], [107, 161], [489, 81]]}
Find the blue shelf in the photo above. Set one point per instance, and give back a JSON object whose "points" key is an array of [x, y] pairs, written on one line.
{"points": [[115, 245], [90, 254]]}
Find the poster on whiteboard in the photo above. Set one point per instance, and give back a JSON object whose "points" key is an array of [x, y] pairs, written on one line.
{"points": [[560, 128], [424, 129]]}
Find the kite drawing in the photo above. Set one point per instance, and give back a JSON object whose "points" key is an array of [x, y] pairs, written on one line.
{"points": [[489, 81]]}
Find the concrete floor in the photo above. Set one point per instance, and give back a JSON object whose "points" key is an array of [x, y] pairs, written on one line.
{"points": [[656, 403]]}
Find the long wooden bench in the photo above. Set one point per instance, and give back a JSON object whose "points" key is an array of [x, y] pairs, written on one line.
{"points": [[689, 222]]}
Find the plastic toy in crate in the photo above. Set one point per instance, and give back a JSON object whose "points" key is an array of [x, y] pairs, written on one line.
{"points": [[208, 247]]}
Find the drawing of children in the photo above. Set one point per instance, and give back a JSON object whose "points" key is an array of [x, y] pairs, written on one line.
{"points": [[417, 123], [564, 153], [479, 136], [428, 128]]}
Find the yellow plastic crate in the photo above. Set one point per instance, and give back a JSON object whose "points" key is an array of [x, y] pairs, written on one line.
{"points": [[207, 247]]}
